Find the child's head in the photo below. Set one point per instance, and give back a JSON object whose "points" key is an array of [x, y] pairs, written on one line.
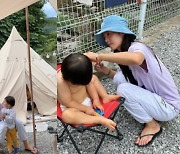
{"points": [[77, 69], [115, 27], [9, 102]]}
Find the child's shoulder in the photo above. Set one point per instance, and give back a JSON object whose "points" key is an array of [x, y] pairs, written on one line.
{"points": [[59, 77]]}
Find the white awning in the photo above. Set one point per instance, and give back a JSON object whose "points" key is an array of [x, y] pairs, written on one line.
{"points": [[8, 7]]}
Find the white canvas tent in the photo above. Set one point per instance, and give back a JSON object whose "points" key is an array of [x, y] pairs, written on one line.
{"points": [[14, 77]]}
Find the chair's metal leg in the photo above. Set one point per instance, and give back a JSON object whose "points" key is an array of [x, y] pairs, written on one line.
{"points": [[60, 138], [102, 132], [119, 135], [69, 134], [102, 139], [114, 114]]}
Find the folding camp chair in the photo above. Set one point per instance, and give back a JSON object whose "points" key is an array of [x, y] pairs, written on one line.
{"points": [[110, 111]]}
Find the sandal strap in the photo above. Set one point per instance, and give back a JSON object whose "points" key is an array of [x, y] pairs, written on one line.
{"points": [[147, 135]]}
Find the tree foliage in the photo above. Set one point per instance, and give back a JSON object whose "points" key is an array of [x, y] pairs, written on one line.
{"points": [[39, 39]]}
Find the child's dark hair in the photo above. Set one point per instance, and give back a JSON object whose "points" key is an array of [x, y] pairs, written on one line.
{"points": [[77, 69], [10, 100], [125, 69]]}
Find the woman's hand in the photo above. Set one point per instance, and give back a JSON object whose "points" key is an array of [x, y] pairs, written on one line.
{"points": [[92, 56], [99, 67]]}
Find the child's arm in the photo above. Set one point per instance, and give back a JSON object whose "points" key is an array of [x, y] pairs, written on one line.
{"points": [[65, 98], [91, 89]]}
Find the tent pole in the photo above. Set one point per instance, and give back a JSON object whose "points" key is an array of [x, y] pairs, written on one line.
{"points": [[30, 74]]}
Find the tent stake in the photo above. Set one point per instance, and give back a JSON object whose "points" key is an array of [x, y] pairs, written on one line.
{"points": [[30, 75]]}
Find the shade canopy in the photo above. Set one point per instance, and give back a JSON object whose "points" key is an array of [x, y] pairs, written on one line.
{"points": [[8, 7]]}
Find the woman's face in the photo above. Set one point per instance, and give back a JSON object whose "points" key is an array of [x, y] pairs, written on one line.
{"points": [[113, 39]]}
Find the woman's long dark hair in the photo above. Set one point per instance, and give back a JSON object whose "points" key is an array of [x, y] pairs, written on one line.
{"points": [[125, 69]]}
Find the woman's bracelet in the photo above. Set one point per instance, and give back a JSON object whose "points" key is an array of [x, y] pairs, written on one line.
{"points": [[108, 72], [97, 57]]}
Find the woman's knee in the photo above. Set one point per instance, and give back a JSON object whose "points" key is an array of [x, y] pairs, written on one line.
{"points": [[19, 124], [123, 88], [119, 79]]}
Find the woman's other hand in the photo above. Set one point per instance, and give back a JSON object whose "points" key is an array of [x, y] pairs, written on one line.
{"points": [[99, 67]]}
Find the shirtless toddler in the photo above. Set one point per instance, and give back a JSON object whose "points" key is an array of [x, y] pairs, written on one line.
{"points": [[79, 92]]}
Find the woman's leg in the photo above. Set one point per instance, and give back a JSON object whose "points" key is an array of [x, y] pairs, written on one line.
{"points": [[146, 107], [23, 136], [119, 78], [21, 130], [3, 130]]}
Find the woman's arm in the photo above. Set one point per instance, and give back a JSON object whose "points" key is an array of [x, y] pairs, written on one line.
{"points": [[123, 58]]}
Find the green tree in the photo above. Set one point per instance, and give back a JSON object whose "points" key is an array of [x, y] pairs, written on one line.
{"points": [[39, 38], [51, 33]]}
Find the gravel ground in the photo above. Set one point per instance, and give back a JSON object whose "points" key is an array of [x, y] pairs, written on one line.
{"points": [[165, 41]]}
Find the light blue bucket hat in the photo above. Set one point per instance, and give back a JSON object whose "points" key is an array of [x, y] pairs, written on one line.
{"points": [[113, 23]]}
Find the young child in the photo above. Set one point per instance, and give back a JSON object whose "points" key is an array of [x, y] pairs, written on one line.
{"points": [[79, 92], [8, 115]]}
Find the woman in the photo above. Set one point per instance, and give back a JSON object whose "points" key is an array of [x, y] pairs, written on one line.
{"points": [[21, 133], [150, 92]]}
